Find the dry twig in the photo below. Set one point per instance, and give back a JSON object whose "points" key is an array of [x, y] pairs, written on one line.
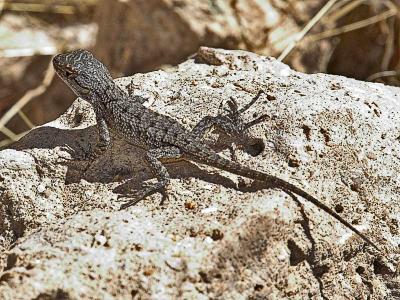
{"points": [[38, 7], [29, 95], [307, 28], [392, 11], [9, 141], [383, 74]]}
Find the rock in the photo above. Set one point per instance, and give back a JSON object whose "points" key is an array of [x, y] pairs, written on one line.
{"points": [[64, 236], [136, 36]]}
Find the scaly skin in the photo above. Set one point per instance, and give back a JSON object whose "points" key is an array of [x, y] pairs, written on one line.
{"points": [[162, 137]]}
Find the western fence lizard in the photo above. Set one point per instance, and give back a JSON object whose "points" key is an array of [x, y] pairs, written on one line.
{"points": [[162, 137]]}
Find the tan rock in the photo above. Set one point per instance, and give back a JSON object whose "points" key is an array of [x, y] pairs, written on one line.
{"points": [[75, 243]]}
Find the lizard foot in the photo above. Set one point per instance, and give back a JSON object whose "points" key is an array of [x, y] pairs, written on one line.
{"points": [[238, 127], [139, 195], [234, 113], [134, 200]]}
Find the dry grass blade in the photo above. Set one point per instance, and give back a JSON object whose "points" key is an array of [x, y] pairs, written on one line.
{"points": [[337, 13], [390, 44], [6, 142], [383, 74], [8, 133], [29, 95], [37, 7], [20, 52], [26, 120], [392, 11], [307, 28]]}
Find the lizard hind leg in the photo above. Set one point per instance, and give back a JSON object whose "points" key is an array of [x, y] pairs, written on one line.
{"points": [[154, 157], [235, 113], [233, 125]]}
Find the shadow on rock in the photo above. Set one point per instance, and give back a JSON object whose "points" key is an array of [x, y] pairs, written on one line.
{"points": [[120, 162]]}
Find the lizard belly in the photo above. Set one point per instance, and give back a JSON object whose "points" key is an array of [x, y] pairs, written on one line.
{"points": [[127, 132]]}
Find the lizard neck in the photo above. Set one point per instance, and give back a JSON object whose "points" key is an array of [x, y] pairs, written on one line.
{"points": [[109, 94], [105, 97]]}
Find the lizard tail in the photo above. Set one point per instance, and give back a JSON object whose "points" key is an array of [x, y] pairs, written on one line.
{"points": [[215, 160]]}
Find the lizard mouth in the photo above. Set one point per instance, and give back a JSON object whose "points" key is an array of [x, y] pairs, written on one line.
{"points": [[74, 85], [57, 64], [60, 68]]}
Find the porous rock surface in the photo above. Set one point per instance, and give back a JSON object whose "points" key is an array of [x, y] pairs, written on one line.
{"points": [[217, 236]]}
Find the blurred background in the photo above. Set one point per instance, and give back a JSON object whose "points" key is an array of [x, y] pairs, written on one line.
{"points": [[354, 38]]}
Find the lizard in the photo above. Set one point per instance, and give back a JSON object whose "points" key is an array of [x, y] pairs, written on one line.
{"points": [[163, 138]]}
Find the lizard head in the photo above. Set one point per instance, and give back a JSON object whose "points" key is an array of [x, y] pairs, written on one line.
{"points": [[83, 73]]}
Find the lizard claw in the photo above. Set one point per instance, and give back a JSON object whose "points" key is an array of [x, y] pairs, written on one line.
{"points": [[134, 199], [128, 204], [233, 106], [137, 196], [256, 121], [234, 113], [164, 198]]}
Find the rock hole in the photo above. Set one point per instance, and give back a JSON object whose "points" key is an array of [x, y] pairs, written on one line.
{"points": [[380, 268], [61, 295], [258, 287], [339, 208], [78, 117], [256, 148], [319, 271], [355, 187], [360, 270], [11, 261], [19, 229], [134, 293], [294, 163], [326, 135], [204, 277], [217, 235], [306, 131], [347, 255]]}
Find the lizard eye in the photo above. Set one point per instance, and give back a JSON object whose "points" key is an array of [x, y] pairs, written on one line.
{"points": [[69, 72]]}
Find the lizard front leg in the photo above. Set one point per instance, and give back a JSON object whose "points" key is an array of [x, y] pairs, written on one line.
{"points": [[104, 134], [231, 123], [104, 139], [154, 158]]}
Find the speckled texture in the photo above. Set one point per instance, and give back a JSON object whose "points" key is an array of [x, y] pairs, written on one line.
{"points": [[217, 236]]}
